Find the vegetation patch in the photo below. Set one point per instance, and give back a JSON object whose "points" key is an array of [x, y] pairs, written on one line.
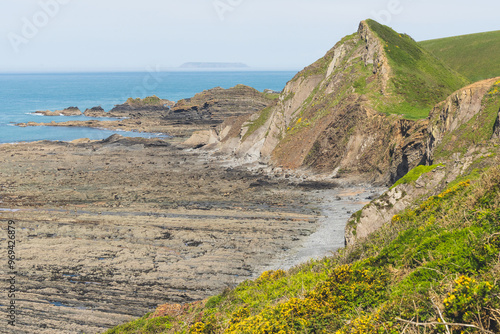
{"points": [[414, 174], [144, 325], [469, 55], [150, 101], [419, 79], [264, 115], [272, 96]]}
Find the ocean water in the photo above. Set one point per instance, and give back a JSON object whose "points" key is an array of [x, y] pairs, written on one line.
{"points": [[23, 94]]}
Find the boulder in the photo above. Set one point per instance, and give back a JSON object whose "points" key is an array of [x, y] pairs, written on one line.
{"points": [[96, 112]]}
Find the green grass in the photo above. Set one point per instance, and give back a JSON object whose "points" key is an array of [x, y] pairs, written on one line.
{"points": [[475, 56], [419, 79], [414, 174], [144, 325], [272, 96], [264, 115], [406, 109]]}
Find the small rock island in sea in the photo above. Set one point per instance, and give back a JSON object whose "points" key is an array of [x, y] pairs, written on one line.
{"points": [[70, 111], [208, 65]]}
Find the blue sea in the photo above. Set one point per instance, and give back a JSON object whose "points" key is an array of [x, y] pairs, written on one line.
{"points": [[23, 94]]}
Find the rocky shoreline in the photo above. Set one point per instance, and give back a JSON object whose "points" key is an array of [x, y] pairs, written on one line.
{"points": [[108, 230], [153, 114]]}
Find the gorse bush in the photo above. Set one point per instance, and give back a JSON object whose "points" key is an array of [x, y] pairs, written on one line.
{"points": [[347, 290], [473, 302]]}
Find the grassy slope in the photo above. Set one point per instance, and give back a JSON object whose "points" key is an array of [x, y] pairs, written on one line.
{"points": [[474, 56], [419, 79]]}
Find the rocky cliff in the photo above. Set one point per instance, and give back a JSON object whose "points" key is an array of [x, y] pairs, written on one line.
{"points": [[462, 140], [465, 117], [96, 112], [352, 113], [151, 106]]}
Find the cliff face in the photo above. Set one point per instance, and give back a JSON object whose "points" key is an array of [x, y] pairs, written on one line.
{"points": [[338, 115], [462, 139], [463, 109]]}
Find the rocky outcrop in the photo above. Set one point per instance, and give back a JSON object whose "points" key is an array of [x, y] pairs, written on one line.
{"points": [[70, 111], [96, 112], [151, 106], [409, 149], [217, 105], [197, 114], [457, 110], [375, 55], [201, 139], [381, 210]]}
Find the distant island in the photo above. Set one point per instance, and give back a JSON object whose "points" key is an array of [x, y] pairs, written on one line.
{"points": [[213, 65]]}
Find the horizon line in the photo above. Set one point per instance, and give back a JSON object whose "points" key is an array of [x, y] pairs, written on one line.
{"points": [[166, 70]]}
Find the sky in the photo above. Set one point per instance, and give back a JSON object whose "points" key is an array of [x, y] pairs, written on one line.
{"points": [[132, 35]]}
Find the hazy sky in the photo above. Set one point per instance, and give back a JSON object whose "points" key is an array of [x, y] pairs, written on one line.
{"points": [[96, 35]]}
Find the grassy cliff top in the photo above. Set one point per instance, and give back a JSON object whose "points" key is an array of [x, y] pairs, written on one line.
{"points": [[420, 80], [475, 56]]}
